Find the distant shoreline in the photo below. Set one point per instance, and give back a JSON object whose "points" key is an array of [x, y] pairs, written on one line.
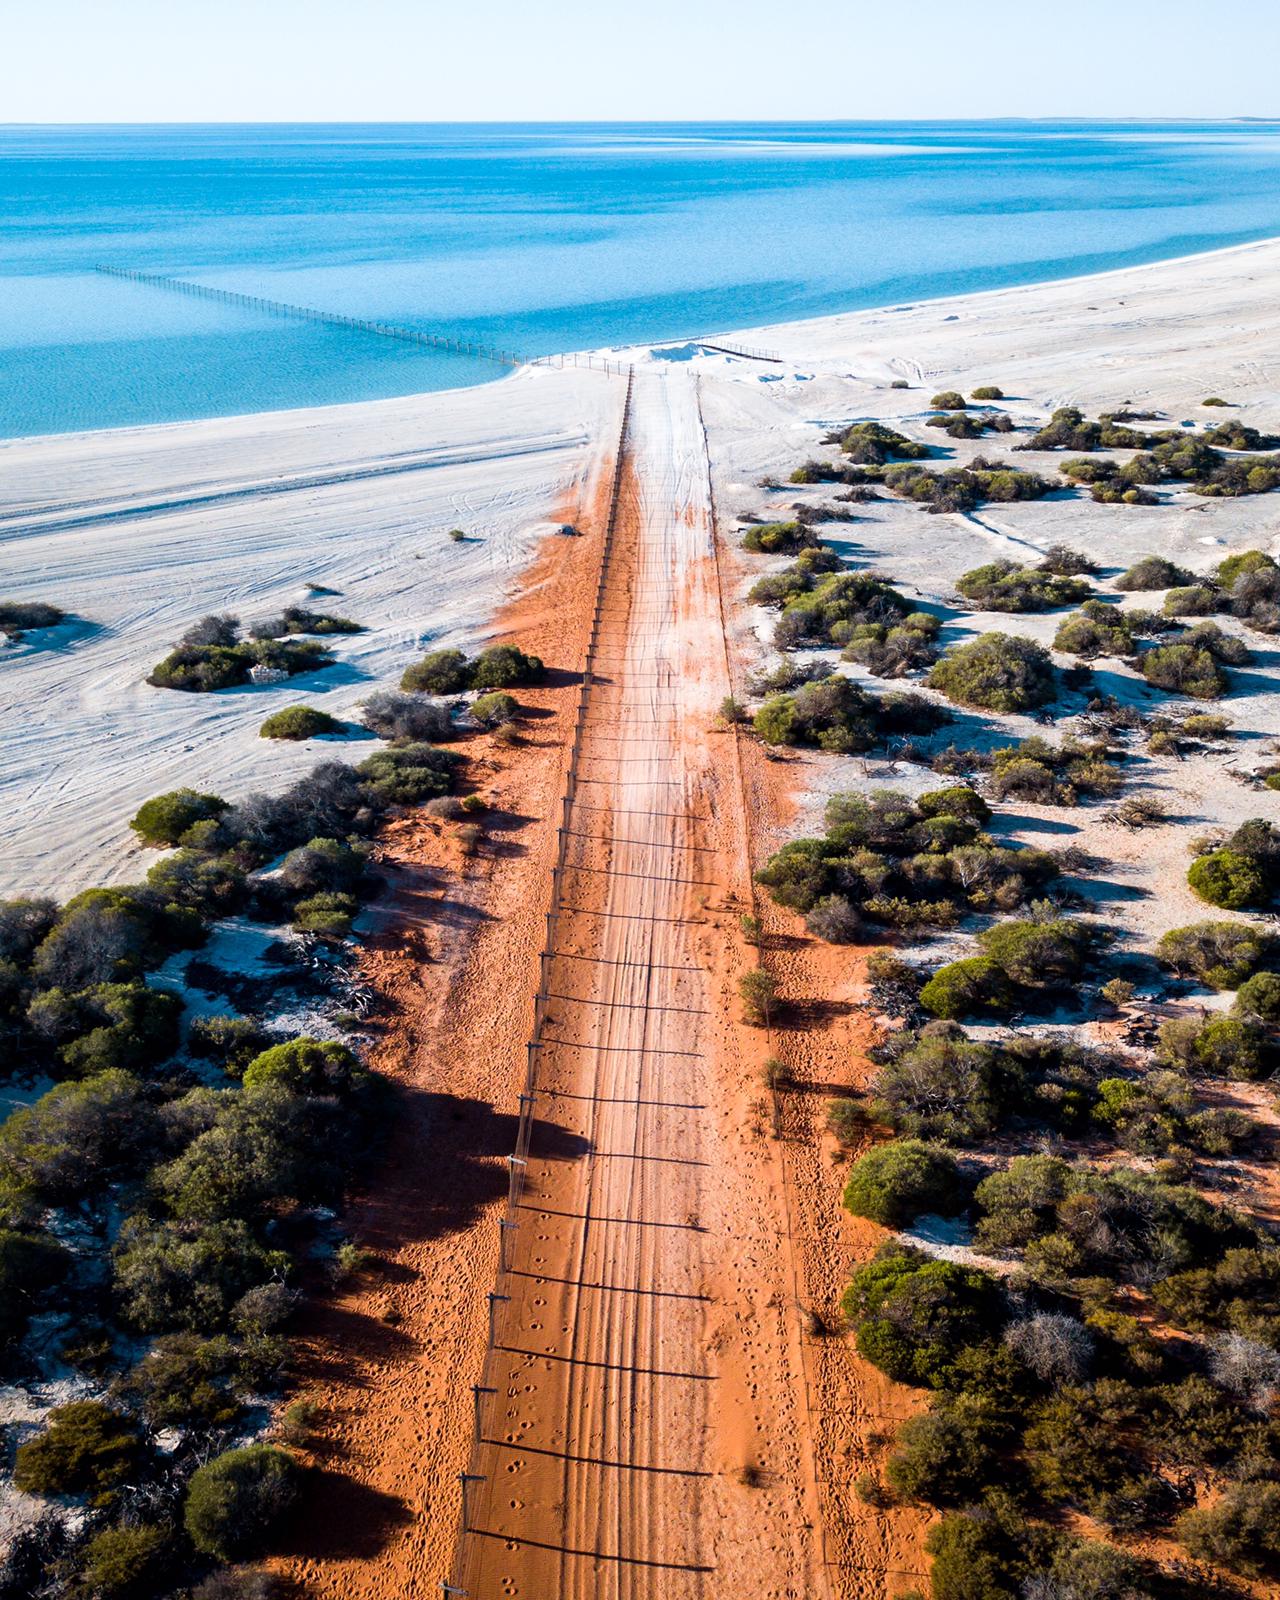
{"points": [[741, 334]]}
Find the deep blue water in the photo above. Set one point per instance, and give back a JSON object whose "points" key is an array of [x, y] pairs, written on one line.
{"points": [[542, 238]]}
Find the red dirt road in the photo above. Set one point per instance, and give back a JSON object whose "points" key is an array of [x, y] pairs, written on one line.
{"points": [[645, 1433]]}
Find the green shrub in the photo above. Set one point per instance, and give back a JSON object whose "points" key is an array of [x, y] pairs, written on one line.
{"points": [[492, 710], [964, 488], [1154, 572], [988, 391], [85, 1449], [963, 988], [775, 538], [998, 672], [1244, 561], [1259, 997], [894, 1183], [407, 774], [1184, 669], [1005, 586], [1228, 879], [328, 915], [1241, 1532], [125, 1562], [502, 666], [1196, 601], [298, 722], [164, 819], [1221, 954], [892, 651], [947, 1454], [172, 1275], [440, 672], [30, 1265], [1038, 955], [1097, 629], [948, 400], [17, 617], [305, 1066], [974, 1558], [873, 444], [914, 1314], [235, 1500], [758, 990]]}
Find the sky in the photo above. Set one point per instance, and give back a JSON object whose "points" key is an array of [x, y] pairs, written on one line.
{"points": [[564, 60]]}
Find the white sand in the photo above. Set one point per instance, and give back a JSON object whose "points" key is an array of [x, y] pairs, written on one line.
{"points": [[140, 531], [1163, 338], [247, 510]]}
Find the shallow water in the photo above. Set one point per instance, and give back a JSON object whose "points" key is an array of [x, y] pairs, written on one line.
{"points": [[546, 238]]}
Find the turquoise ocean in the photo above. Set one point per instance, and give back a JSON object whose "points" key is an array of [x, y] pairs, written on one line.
{"points": [[541, 238]]}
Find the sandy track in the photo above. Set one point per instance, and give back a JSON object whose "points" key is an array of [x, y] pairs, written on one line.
{"points": [[644, 1435]]}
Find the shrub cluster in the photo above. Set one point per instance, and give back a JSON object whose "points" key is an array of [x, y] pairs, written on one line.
{"points": [[779, 538], [997, 672], [1005, 586], [1243, 872], [1023, 964], [893, 650], [501, 666], [906, 863], [1059, 775], [838, 715], [212, 655], [825, 606], [20, 617], [965, 425]]}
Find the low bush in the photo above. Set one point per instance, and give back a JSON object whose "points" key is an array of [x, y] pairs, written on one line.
{"points": [[125, 1562], [212, 656], [894, 650], [407, 774], [778, 538], [906, 862], [1221, 954], [298, 722], [835, 919], [1097, 629], [440, 672], [235, 1500], [85, 1449], [1046, 774], [492, 710], [18, 617], [894, 1183], [1228, 879], [948, 400], [407, 718], [1005, 586], [1187, 669], [874, 444], [1154, 572], [988, 391], [914, 1315], [165, 818], [964, 488], [948, 1453], [1240, 1532], [997, 672]]}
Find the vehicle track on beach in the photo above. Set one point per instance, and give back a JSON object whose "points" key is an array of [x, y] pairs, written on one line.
{"points": [[643, 1434]]}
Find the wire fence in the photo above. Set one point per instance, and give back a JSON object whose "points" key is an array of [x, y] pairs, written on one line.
{"points": [[517, 1162], [383, 330]]}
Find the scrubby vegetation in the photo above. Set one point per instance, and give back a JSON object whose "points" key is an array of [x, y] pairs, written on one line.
{"points": [[212, 655], [501, 666], [1241, 873], [998, 672], [837, 715], [905, 863], [20, 617], [299, 722], [1005, 586]]}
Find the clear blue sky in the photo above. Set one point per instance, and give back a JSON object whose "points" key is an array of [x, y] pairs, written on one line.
{"points": [[557, 60]]}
